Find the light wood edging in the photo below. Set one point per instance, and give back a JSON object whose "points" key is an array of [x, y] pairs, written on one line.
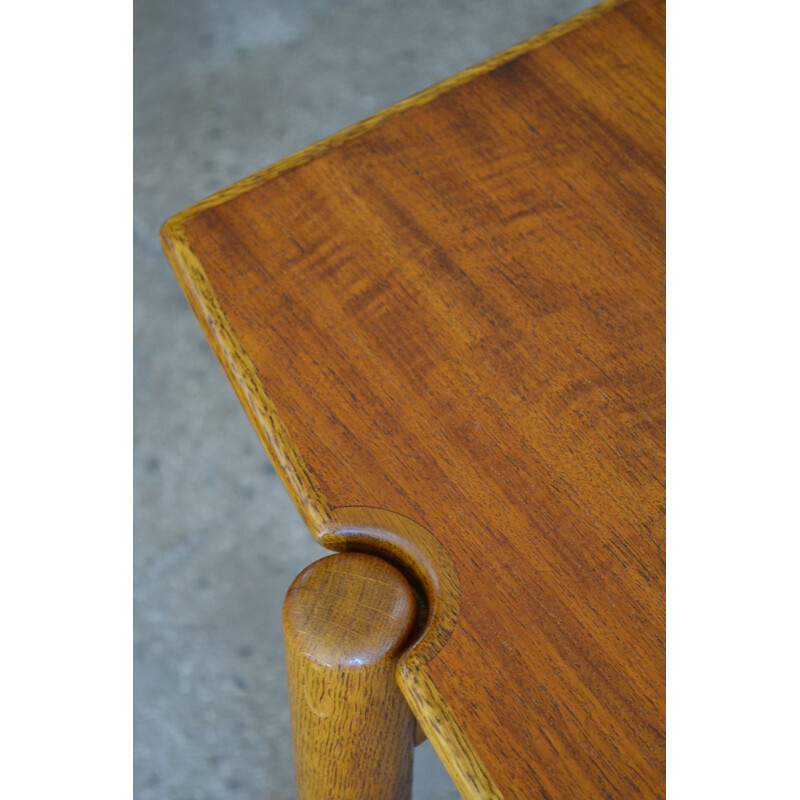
{"points": [[420, 98], [448, 740], [258, 406], [356, 529]]}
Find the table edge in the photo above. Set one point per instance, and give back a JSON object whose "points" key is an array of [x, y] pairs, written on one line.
{"points": [[373, 530], [364, 126]]}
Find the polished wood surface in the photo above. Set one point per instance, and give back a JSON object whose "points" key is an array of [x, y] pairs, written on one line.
{"points": [[346, 619], [447, 327]]}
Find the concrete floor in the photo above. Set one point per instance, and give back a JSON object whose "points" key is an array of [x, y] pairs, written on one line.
{"points": [[221, 90]]}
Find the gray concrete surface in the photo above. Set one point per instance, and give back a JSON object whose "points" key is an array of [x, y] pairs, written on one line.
{"points": [[221, 90]]}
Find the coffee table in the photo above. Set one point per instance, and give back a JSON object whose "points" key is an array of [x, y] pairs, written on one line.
{"points": [[446, 325]]}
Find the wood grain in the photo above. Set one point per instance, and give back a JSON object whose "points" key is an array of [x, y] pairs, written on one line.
{"points": [[345, 620], [447, 326]]}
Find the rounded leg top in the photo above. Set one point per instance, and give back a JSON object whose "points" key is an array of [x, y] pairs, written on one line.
{"points": [[346, 619]]}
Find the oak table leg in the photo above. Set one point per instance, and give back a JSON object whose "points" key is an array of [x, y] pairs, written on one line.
{"points": [[346, 618]]}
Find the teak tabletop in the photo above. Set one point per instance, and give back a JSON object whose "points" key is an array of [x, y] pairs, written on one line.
{"points": [[446, 324]]}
